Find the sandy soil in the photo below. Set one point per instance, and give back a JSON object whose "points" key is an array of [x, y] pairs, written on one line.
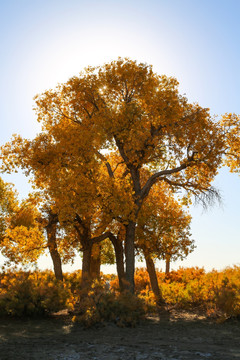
{"points": [[183, 336]]}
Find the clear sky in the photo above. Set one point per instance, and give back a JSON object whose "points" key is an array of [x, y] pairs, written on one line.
{"points": [[46, 42]]}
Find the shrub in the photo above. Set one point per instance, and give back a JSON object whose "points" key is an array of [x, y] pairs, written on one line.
{"points": [[100, 305], [227, 296], [32, 294], [39, 293]]}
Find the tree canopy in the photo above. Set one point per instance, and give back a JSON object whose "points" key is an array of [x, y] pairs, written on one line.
{"points": [[108, 136]]}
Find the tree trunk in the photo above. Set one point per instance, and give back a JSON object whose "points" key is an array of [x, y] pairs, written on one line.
{"points": [[95, 263], [153, 278], [129, 255], [86, 264], [119, 263], [167, 269], [51, 229]]}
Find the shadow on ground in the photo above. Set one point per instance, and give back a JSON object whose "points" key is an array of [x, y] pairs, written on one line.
{"points": [[184, 335]]}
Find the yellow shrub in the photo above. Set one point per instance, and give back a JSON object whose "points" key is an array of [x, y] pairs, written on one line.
{"points": [[99, 304], [32, 293]]}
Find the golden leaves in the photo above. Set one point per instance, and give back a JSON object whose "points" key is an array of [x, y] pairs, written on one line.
{"points": [[163, 227], [231, 126], [22, 244], [106, 133]]}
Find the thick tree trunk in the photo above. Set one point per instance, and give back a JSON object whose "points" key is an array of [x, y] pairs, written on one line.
{"points": [[153, 278], [51, 229], [57, 264], [129, 255], [167, 269], [95, 263], [86, 264], [119, 263]]}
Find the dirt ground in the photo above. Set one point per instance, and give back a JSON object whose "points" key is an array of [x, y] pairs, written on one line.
{"points": [[183, 336]]}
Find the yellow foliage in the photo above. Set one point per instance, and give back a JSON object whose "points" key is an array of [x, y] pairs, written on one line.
{"points": [[32, 293], [231, 126], [163, 228], [22, 244], [37, 293], [108, 137]]}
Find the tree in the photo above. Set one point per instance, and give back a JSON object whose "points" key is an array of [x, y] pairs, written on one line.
{"points": [[22, 240], [126, 108], [50, 223], [73, 192], [8, 204], [150, 125], [231, 127], [163, 231]]}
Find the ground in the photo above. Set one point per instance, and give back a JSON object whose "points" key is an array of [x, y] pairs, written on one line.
{"points": [[184, 335]]}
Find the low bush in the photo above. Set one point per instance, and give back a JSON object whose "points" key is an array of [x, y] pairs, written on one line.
{"points": [[99, 304], [39, 293], [32, 294]]}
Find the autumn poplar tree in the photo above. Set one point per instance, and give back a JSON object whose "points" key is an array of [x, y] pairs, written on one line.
{"points": [[66, 173], [8, 205], [22, 240], [231, 127], [147, 121], [126, 108], [163, 231]]}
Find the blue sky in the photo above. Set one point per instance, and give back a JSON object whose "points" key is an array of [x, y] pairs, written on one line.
{"points": [[45, 42]]}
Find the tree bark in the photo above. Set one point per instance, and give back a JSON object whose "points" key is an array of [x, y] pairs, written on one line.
{"points": [[153, 278], [86, 263], [51, 229], [167, 269], [83, 233], [130, 255], [95, 262], [117, 244]]}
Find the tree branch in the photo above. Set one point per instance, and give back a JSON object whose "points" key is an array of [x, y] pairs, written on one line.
{"points": [[97, 239], [102, 157], [153, 179]]}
